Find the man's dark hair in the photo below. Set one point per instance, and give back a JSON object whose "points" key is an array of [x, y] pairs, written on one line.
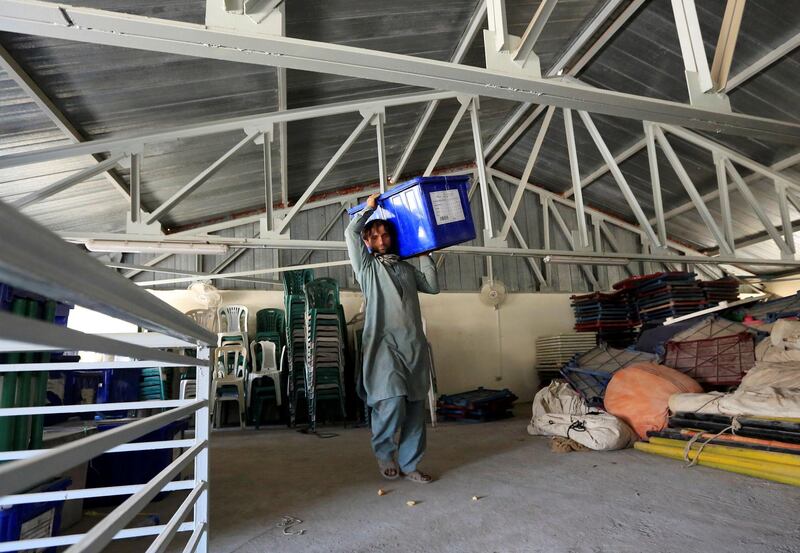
{"points": [[374, 223]]}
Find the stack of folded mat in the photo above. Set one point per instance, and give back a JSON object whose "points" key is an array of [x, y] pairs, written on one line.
{"points": [[479, 405], [723, 289], [553, 352], [659, 296], [610, 315]]}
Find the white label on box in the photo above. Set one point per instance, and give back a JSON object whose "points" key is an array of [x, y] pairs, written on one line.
{"points": [[447, 206], [38, 527]]}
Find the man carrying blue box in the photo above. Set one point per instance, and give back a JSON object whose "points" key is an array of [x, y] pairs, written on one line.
{"points": [[396, 365]]}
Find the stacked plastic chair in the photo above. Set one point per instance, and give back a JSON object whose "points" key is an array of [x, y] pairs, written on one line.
{"points": [[325, 338], [295, 304]]}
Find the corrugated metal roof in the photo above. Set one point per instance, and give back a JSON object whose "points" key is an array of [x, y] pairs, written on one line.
{"points": [[109, 91]]}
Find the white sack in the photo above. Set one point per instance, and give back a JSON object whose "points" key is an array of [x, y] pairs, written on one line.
{"points": [[785, 332], [598, 431], [558, 397]]}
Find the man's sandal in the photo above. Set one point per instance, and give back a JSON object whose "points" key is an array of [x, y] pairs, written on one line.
{"points": [[418, 477], [386, 468]]}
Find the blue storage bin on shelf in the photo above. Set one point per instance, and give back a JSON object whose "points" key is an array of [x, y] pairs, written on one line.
{"points": [[428, 213], [34, 520], [133, 467]]}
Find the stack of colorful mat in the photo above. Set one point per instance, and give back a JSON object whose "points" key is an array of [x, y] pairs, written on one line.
{"points": [[760, 447], [659, 296], [609, 315]]}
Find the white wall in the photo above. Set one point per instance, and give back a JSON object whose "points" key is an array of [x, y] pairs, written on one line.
{"points": [[473, 344]]}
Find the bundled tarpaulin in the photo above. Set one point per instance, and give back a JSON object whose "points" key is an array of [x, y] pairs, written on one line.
{"points": [[559, 411], [769, 390], [610, 315], [639, 394], [590, 373], [654, 339]]}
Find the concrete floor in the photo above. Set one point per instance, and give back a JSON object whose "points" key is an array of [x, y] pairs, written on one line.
{"points": [[531, 499]]}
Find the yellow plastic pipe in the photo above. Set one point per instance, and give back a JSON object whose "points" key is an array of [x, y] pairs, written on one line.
{"points": [[753, 454], [730, 464]]}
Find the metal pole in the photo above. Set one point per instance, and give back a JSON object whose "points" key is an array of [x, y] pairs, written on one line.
{"points": [[136, 195], [268, 199], [481, 166]]}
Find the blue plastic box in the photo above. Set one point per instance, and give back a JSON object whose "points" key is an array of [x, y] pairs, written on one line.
{"points": [[429, 213], [34, 520]]}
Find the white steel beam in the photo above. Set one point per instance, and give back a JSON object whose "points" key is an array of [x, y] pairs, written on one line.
{"points": [[56, 116], [283, 135], [136, 182], [537, 146], [28, 472], [764, 62], [437, 154], [199, 180], [576, 180], [568, 235], [692, 256], [473, 27], [543, 192], [115, 29], [628, 152], [68, 182], [733, 155], [378, 120], [480, 163], [655, 181], [346, 145], [324, 232], [269, 200], [733, 83], [149, 263], [230, 124], [726, 44], [753, 202], [633, 203], [496, 14], [67, 274], [519, 130], [786, 221], [784, 163], [577, 44], [104, 531], [688, 185], [724, 201], [691, 41], [534, 30], [612, 241], [515, 229]]}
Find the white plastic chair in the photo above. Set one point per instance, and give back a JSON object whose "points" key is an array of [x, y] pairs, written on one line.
{"points": [[232, 325], [207, 318], [268, 368], [230, 369], [188, 389]]}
